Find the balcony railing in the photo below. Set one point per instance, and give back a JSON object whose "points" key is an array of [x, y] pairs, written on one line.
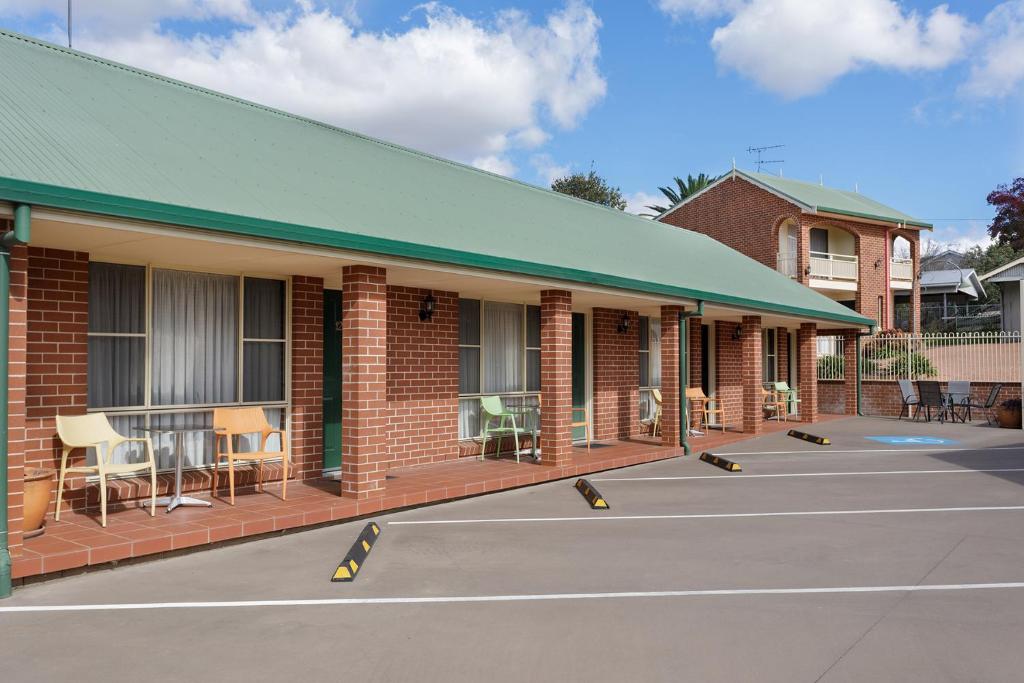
{"points": [[901, 269], [826, 266], [785, 263]]}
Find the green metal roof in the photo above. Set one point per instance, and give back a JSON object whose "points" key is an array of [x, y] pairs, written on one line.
{"points": [[830, 200], [85, 134]]}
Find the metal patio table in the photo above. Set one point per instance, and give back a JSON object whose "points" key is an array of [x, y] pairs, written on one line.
{"points": [[177, 500]]}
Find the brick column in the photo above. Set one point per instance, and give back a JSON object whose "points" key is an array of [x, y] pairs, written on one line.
{"points": [[850, 361], [307, 439], [782, 352], [364, 372], [670, 375], [915, 292], [750, 374], [16, 356], [556, 376], [696, 352], [807, 357]]}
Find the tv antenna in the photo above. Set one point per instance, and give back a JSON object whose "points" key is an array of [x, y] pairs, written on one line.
{"points": [[69, 24], [761, 161]]}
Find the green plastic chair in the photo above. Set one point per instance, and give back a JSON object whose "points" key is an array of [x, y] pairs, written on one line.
{"points": [[786, 394], [492, 409]]}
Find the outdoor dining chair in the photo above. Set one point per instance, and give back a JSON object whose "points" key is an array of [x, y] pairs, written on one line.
{"points": [[585, 423], [987, 406], [909, 399], [655, 421], [94, 431], [787, 395], [958, 395], [771, 403], [229, 423], [931, 397], [492, 409], [702, 404]]}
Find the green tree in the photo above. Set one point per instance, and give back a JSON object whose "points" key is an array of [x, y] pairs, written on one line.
{"points": [[682, 190], [1008, 225], [591, 187]]}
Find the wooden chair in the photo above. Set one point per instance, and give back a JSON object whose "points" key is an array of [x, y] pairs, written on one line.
{"points": [[772, 403], [656, 422], [231, 422], [93, 431], [695, 397], [585, 423]]}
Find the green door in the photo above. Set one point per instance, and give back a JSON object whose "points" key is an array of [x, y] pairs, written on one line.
{"points": [[332, 379], [579, 372]]}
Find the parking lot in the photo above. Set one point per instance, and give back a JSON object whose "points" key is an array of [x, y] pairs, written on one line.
{"points": [[862, 560]]}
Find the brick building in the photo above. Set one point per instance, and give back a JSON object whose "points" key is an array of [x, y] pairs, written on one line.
{"points": [[171, 249]]}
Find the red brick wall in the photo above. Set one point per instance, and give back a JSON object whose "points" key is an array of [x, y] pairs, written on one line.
{"points": [[782, 348], [616, 375], [831, 396], [807, 357], [738, 214], [57, 355], [695, 350], [752, 374], [364, 379], [422, 378], [18, 302], [307, 439], [728, 372], [556, 376], [670, 373]]}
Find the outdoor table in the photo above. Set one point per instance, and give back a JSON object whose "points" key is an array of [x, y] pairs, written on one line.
{"points": [[177, 499], [528, 410]]}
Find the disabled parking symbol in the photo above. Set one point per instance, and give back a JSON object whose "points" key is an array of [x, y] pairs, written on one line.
{"points": [[913, 440]]}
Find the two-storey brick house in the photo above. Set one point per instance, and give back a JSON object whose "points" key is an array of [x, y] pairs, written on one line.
{"points": [[842, 244]]}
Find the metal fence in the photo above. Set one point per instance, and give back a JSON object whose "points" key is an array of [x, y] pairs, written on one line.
{"points": [[971, 356], [830, 358]]}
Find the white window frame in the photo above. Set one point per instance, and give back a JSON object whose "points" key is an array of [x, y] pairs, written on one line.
{"points": [[148, 409], [524, 351]]}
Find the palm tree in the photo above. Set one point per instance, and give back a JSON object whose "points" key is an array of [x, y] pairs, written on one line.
{"points": [[683, 189]]}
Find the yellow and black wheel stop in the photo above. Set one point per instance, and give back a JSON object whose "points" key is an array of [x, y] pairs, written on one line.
{"points": [[820, 440], [727, 465], [356, 557], [596, 500]]}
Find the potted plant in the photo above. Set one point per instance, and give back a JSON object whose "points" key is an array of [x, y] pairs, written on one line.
{"points": [[1008, 414], [37, 492]]}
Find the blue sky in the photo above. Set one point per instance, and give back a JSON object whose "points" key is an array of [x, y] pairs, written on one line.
{"points": [[920, 105]]}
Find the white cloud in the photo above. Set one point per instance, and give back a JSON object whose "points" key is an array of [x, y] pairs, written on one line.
{"points": [[639, 201], [466, 88], [797, 48], [548, 169], [960, 237], [495, 164], [999, 68]]}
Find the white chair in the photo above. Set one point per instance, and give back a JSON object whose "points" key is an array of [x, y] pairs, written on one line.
{"points": [[94, 431]]}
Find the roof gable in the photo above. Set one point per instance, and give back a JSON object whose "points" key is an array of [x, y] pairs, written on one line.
{"points": [[85, 134]]}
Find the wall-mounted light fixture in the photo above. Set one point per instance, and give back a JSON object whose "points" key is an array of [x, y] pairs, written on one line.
{"points": [[427, 307], [737, 332], [623, 327], [878, 263]]}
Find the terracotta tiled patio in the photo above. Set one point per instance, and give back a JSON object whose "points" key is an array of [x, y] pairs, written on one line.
{"points": [[78, 540]]}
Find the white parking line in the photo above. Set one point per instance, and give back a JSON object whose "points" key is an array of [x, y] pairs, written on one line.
{"points": [[821, 451], [722, 515], [741, 477], [508, 598]]}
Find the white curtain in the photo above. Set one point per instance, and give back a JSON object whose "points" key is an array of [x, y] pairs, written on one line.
{"points": [[502, 348], [116, 364], [655, 355], [194, 338]]}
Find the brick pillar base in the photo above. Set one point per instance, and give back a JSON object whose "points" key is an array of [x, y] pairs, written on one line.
{"points": [[850, 361], [807, 353], [670, 405], [364, 372], [307, 442], [556, 377], [751, 377]]}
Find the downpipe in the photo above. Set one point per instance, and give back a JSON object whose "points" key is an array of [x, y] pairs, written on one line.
{"points": [[19, 235]]}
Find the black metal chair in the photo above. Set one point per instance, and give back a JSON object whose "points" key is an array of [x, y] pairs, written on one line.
{"points": [[909, 399], [930, 393], [993, 396]]}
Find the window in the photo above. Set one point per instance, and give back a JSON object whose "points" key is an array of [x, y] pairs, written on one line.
{"points": [[650, 364], [499, 354], [166, 345], [819, 240], [769, 356]]}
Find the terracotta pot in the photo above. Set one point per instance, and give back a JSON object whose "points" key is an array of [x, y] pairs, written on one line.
{"points": [[1008, 418], [38, 490]]}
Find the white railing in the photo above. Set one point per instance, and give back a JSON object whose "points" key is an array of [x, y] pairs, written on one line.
{"points": [[827, 266], [901, 269], [785, 263], [969, 356], [831, 360]]}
